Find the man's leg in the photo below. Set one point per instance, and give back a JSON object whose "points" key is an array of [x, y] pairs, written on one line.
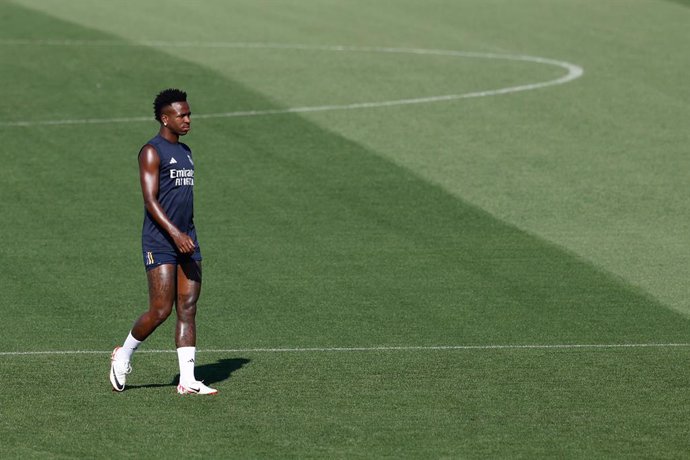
{"points": [[162, 283], [188, 290], [161, 297]]}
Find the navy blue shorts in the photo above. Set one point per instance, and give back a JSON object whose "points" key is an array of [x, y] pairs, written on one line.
{"points": [[156, 259]]}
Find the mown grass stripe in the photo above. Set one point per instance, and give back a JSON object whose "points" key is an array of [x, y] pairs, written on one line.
{"points": [[365, 349]]}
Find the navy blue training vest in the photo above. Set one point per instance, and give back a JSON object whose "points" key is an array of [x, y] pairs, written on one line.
{"points": [[175, 194]]}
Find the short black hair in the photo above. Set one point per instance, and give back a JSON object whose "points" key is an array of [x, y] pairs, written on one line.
{"points": [[165, 98]]}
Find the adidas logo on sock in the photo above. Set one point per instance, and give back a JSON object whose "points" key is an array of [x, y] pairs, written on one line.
{"points": [[191, 360]]}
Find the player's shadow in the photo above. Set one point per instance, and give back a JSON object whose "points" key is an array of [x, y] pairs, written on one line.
{"points": [[218, 371], [208, 373]]}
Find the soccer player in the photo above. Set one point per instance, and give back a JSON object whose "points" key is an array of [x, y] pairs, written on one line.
{"points": [[172, 257]]}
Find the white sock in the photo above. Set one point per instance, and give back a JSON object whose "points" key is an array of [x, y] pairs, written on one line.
{"points": [[128, 348], [185, 356]]}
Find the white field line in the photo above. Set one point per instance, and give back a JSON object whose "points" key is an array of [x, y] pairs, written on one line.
{"points": [[572, 72], [372, 349]]}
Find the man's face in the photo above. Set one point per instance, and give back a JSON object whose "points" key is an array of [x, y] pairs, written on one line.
{"points": [[176, 117]]}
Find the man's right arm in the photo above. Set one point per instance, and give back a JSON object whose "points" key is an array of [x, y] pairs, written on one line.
{"points": [[149, 164]]}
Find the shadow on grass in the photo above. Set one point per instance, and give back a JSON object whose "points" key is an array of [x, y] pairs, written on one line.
{"points": [[208, 373], [218, 371]]}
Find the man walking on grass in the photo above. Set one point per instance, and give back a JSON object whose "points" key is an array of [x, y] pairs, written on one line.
{"points": [[171, 252]]}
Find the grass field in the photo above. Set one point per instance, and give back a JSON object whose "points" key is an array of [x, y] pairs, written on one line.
{"points": [[502, 274]]}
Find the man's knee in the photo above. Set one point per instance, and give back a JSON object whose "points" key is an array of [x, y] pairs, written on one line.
{"points": [[186, 307], [160, 311]]}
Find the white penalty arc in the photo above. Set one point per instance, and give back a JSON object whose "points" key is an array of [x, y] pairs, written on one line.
{"points": [[402, 348], [572, 72]]}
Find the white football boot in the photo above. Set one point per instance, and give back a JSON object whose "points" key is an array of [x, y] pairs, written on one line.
{"points": [[195, 388], [118, 371]]}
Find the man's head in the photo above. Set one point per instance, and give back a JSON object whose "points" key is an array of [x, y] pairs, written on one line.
{"points": [[172, 110]]}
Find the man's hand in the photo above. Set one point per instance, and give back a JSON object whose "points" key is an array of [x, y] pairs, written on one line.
{"points": [[184, 243]]}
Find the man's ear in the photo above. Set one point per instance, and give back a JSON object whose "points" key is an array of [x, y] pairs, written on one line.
{"points": [[164, 119]]}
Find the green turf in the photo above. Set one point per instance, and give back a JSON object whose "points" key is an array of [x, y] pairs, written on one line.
{"points": [[513, 220], [603, 404]]}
